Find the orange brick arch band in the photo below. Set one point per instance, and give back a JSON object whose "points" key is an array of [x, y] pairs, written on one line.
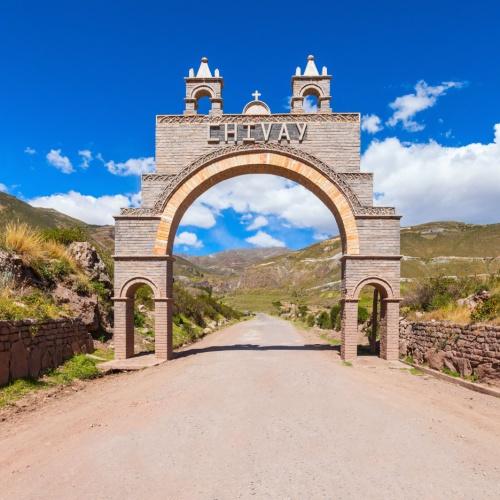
{"points": [[256, 163]]}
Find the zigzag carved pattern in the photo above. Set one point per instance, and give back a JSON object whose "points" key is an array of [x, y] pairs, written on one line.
{"points": [[286, 117]]}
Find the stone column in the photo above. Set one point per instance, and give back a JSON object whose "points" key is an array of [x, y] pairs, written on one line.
{"points": [[349, 347], [389, 336], [123, 331], [163, 328], [163, 317]]}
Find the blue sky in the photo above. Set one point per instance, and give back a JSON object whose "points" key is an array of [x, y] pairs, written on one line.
{"points": [[90, 78]]}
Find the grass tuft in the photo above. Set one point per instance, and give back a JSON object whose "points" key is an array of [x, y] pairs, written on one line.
{"points": [[23, 240]]}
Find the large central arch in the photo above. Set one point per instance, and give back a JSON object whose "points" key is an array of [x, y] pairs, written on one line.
{"points": [[194, 183]]}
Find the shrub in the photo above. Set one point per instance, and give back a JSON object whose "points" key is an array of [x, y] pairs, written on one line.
{"points": [[487, 310], [437, 292], [51, 270], [144, 296], [335, 316], [139, 319], [311, 320], [303, 310], [323, 321], [98, 288], [65, 235], [363, 315], [277, 304]]}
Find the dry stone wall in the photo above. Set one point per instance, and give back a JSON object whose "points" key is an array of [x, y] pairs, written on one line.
{"points": [[28, 348], [467, 349]]}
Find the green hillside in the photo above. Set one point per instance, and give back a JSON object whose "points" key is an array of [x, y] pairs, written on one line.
{"points": [[13, 209]]}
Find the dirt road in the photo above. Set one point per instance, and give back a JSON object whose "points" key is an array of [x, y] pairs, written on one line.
{"points": [[257, 410]]}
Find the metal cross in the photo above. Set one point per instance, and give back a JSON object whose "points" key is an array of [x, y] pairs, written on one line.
{"points": [[256, 94]]}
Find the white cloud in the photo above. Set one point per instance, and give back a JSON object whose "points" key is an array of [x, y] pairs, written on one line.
{"points": [[270, 195], [30, 151], [425, 96], [86, 156], [429, 181], [62, 163], [3, 188], [371, 124], [310, 105], [188, 239], [198, 215], [257, 223], [90, 209], [133, 166], [264, 240]]}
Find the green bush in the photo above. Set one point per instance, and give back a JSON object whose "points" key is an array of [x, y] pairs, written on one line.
{"points": [[277, 304], [335, 316], [310, 320], [144, 296], [303, 310], [100, 290], [363, 315], [52, 270], [139, 319], [65, 235], [323, 320], [437, 292], [487, 310]]}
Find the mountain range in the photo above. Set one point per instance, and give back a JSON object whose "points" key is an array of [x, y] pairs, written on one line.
{"points": [[254, 278]]}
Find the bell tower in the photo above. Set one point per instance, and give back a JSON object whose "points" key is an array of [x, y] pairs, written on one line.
{"points": [[311, 83], [201, 85]]}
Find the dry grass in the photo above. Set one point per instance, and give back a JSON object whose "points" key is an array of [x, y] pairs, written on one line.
{"points": [[54, 250], [454, 313], [30, 245], [23, 240]]}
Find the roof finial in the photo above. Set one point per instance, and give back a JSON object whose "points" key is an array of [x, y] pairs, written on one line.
{"points": [[204, 70], [311, 69], [256, 95]]}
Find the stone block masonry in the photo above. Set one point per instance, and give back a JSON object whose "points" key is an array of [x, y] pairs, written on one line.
{"points": [[29, 348], [467, 349]]}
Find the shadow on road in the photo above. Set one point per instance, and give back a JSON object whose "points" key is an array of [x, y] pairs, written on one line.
{"points": [[255, 347]]}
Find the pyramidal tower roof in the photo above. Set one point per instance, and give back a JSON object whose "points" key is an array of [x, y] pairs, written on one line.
{"points": [[204, 70], [311, 69]]}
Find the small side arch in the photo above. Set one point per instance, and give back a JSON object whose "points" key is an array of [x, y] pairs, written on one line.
{"points": [[383, 286], [202, 91], [130, 287], [311, 89]]}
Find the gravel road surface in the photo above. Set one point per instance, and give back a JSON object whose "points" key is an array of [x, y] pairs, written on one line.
{"points": [[257, 410]]}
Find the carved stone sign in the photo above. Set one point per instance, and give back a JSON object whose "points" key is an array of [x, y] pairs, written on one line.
{"points": [[249, 133]]}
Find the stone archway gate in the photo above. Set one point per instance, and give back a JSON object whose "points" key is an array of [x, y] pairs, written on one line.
{"points": [[318, 150]]}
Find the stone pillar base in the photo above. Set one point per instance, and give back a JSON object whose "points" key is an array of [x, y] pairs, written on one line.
{"points": [[389, 338], [349, 346]]}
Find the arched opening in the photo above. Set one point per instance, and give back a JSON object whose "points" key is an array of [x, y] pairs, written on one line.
{"points": [[372, 296], [137, 317], [203, 103], [311, 95], [144, 320]]}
